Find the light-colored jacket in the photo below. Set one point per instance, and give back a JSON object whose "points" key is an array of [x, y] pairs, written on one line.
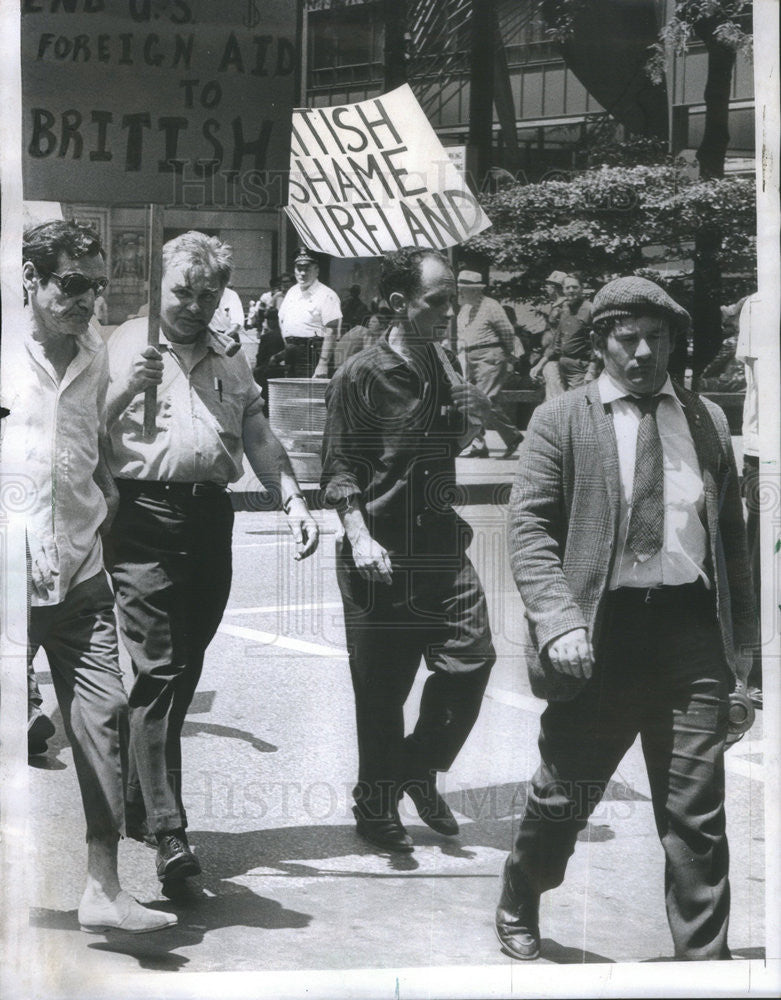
{"points": [[563, 524]]}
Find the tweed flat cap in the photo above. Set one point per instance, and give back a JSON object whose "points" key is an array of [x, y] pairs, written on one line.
{"points": [[556, 278], [473, 278], [634, 296]]}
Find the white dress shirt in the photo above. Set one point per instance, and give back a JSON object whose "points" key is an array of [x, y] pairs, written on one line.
{"points": [[682, 557], [50, 450]]}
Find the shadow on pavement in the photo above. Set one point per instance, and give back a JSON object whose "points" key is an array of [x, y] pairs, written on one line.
{"points": [[288, 850], [552, 951], [235, 906], [213, 729]]}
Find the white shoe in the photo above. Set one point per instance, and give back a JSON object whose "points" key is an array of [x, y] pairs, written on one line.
{"points": [[121, 914]]}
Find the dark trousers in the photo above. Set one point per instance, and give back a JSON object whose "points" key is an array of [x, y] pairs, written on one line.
{"points": [[302, 355], [171, 566], [661, 674], [434, 612], [572, 371], [79, 636]]}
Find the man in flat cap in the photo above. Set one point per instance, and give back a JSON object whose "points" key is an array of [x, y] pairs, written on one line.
{"points": [[486, 336], [628, 547], [310, 317]]}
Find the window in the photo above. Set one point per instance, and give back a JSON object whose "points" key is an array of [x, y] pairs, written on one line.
{"points": [[345, 47]]}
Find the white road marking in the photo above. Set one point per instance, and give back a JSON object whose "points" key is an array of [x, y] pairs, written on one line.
{"points": [[255, 545], [525, 702], [273, 608], [736, 765], [283, 642]]}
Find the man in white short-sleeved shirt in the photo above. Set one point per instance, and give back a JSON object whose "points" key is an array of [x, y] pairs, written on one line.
{"points": [[309, 316]]}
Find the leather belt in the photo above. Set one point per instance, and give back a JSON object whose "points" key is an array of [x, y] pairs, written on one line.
{"points": [[169, 491], [480, 347], [302, 340], [664, 596]]}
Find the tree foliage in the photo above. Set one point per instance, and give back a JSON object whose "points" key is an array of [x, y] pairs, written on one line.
{"points": [[604, 221], [726, 22]]}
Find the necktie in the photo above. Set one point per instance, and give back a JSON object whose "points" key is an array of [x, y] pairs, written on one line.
{"points": [[646, 524]]}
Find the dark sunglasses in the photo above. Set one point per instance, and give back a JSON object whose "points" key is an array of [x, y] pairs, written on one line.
{"points": [[77, 284]]}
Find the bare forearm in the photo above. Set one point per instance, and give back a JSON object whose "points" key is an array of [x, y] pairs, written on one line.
{"points": [[270, 463], [118, 399], [329, 343], [353, 522]]}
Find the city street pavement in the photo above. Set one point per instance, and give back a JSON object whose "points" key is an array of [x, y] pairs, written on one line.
{"points": [[270, 757]]}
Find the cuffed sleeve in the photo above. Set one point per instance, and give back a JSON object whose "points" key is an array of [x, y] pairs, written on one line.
{"points": [[340, 458]]}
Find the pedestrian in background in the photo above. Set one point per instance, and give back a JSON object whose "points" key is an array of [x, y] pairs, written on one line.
{"points": [[55, 434], [171, 540], [398, 414], [488, 339], [310, 317], [628, 548], [270, 359], [568, 360], [354, 311], [359, 338]]}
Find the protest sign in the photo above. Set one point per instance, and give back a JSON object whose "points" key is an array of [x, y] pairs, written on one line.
{"points": [[370, 177], [175, 102]]}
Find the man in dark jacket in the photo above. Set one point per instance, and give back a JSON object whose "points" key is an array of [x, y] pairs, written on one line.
{"points": [[398, 414]]}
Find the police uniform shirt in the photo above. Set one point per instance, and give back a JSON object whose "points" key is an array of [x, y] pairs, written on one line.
{"points": [[305, 312]]}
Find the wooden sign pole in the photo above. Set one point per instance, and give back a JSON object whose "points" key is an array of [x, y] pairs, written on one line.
{"points": [[155, 271]]}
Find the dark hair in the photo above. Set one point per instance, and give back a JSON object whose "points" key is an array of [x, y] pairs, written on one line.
{"points": [[43, 244], [401, 270], [602, 328]]}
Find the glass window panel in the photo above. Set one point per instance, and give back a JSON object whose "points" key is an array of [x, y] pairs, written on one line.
{"points": [[577, 97], [696, 66], [532, 93], [553, 93]]}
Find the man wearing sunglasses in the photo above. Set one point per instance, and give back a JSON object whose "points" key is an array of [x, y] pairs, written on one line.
{"points": [[53, 448]]}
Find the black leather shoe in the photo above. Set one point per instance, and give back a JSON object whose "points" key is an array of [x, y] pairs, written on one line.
{"points": [[40, 728], [385, 831], [431, 807], [174, 857], [512, 447], [518, 918]]}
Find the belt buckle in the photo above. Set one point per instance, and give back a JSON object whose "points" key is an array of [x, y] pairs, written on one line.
{"points": [[648, 599], [199, 489]]}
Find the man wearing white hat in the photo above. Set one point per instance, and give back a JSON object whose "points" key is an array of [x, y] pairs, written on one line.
{"points": [[486, 336]]}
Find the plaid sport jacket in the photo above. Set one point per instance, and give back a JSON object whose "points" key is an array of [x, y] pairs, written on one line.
{"points": [[563, 524]]}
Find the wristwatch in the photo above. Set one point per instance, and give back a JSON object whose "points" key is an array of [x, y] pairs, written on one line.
{"points": [[293, 496]]}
